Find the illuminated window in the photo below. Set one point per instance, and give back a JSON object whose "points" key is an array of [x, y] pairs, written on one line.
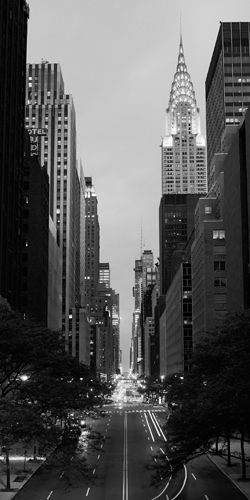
{"points": [[219, 234]]}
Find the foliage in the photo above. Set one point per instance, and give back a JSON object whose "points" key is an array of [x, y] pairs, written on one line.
{"points": [[44, 390], [212, 401]]}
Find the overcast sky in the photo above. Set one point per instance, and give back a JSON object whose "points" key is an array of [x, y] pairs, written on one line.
{"points": [[118, 59]]}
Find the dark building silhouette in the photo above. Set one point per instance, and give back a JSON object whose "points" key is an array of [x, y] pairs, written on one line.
{"points": [[227, 86], [237, 218], [13, 40], [176, 216], [35, 239]]}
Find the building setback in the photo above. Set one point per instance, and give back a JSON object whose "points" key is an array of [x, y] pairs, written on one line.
{"points": [[13, 41]]}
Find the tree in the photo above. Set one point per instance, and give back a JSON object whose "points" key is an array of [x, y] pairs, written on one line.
{"points": [[44, 390], [212, 401], [26, 348]]}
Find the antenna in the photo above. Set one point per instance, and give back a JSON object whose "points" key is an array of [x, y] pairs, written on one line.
{"points": [[141, 236]]}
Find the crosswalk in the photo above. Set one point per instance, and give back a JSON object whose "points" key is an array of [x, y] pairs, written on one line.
{"points": [[122, 410]]}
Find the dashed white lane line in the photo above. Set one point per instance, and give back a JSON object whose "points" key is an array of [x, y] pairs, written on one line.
{"points": [[49, 495], [194, 477], [98, 457], [94, 471], [87, 492], [206, 497]]}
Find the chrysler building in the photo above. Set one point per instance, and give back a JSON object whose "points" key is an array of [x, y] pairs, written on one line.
{"points": [[183, 147]]}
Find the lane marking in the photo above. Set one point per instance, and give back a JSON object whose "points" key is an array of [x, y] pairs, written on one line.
{"points": [[94, 471], [206, 497], [98, 457], [151, 448], [87, 492], [154, 424], [50, 495], [62, 474], [125, 459], [194, 477], [158, 426], [184, 483], [149, 428]]}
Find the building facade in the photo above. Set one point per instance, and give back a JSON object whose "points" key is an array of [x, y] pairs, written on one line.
{"points": [[176, 332], [209, 279], [237, 217], [50, 110], [176, 215], [35, 250], [227, 86], [92, 246], [13, 43]]}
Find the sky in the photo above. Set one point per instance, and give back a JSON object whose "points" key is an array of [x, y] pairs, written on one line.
{"points": [[118, 59]]}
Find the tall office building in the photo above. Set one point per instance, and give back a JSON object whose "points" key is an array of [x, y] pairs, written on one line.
{"points": [[116, 331], [92, 246], [176, 215], [227, 86], [13, 41], [50, 109], [183, 147], [137, 294]]}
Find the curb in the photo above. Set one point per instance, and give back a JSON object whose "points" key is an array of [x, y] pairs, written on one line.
{"points": [[225, 474]]}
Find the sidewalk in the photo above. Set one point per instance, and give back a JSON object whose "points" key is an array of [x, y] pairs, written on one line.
{"points": [[18, 476], [234, 471]]}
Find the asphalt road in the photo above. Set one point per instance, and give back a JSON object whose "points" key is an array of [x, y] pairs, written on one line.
{"points": [[131, 435]]}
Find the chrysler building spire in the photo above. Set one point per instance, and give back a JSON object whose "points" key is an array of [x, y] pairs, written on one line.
{"points": [[183, 147]]}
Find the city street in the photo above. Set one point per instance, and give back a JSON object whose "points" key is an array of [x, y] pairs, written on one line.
{"points": [[132, 433]]}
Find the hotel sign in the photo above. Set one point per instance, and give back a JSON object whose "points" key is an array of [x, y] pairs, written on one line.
{"points": [[34, 134]]}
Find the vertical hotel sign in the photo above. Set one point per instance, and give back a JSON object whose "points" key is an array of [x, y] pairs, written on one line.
{"points": [[35, 134]]}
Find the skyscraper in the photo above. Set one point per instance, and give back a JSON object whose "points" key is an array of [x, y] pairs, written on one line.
{"points": [[13, 41], [183, 147], [48, 107], [92, 246], [227, 86], [137, 294]]}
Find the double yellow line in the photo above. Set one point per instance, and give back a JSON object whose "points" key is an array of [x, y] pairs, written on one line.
{"points": [[125, 459]]}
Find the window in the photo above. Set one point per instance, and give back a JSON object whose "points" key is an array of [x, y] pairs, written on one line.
{"points": [[222, 282], [219, 234], [219, 265], [208, 209]]}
